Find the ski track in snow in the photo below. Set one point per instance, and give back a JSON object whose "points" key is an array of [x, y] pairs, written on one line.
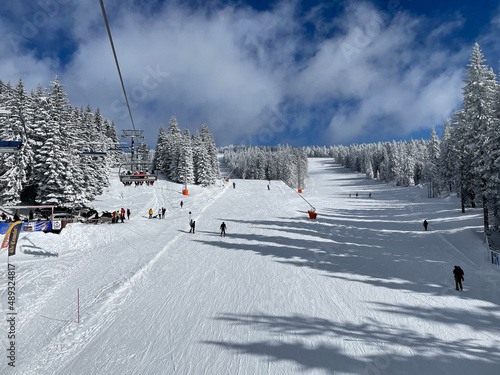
{"points": [[362, 289]]}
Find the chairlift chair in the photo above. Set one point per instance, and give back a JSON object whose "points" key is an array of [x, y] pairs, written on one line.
{"points": [[10, 146], [94, 153]]}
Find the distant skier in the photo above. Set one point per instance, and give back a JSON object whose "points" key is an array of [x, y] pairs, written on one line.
{"points": [[234, 185], [4, 216], [268, 188], [459, 277], [223, 229], [356, 195], [159, 213], [163, 210], [128, 213], [192, 224], [122, 214], [426, 224], [182, 204], [150, 213]]}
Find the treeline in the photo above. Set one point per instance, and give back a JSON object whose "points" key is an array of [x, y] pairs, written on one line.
{"points": [[400, 163], [182, 157], [268, 163], [50, 168], [465, 161]]}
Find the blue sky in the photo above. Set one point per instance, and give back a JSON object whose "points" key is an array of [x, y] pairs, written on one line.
{"points": [[258, 72]]}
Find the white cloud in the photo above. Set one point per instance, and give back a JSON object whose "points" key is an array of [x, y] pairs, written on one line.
{"points": [[231, 67]]}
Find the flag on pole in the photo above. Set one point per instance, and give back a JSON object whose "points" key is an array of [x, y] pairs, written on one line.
{"points": [[11, 237]]}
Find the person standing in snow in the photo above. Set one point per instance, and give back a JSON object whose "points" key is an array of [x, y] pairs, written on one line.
{"points": [[223, 229], [192, 224], [459, 277], [234, 185], [182, 204], [150, 213], [128, 213], [163, 210], [159, 213], [425, 224]]}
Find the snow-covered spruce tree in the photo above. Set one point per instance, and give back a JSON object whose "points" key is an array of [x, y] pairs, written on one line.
{"points": [[53, 134], [431, 165], [448, 167], [172, 151], [493, 161], [186, 166], [478, 112], [180, 155], [17, 166], [161, 144], [201, 160], [466, 182], [208, 140]]}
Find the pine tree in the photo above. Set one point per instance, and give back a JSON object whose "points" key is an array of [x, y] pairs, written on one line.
{"points": [[186, 167], [479, 93]]}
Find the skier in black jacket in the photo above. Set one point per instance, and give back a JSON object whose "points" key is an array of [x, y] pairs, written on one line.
{"points": [[223, 229], [459, 276]]}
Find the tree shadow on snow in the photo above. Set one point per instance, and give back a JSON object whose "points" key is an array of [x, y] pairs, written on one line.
{"points": [[319, 343]]}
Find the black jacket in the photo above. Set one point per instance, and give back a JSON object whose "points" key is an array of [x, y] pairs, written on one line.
{"points": [[458, 272]]}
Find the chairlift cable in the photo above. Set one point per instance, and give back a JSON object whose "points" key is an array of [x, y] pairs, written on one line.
{"points": [[116, 60]]}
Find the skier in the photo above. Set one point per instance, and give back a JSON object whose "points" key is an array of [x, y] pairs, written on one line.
{"points": [[159, 213], [113, 220], [122, 215], [268, 188], [356, 195], [192, 225], [182, 204], [163, 210], [234, 185], [223, 229], [425, 224], [128, 213], [459, 277], [150, 213]]}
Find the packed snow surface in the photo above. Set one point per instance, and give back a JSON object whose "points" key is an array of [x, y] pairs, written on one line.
{"points": [[363, 289]]}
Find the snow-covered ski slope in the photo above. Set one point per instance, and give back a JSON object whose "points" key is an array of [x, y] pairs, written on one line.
{"points": [[361, 290]]}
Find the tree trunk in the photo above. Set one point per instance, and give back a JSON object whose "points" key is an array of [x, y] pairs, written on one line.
{"points": [[462, 199], [485, 214]]}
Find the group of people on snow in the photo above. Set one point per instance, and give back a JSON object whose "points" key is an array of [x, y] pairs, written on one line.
{"points": [[119, 215], [357, 195], [160, 215]]}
